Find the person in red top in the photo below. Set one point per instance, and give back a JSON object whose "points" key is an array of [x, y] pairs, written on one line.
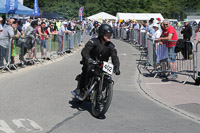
{"points": [[169, 37]]}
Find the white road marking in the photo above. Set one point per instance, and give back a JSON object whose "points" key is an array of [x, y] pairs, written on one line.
{"points": [[35, 125], [158, 83], [5, 127], [19, 124]]}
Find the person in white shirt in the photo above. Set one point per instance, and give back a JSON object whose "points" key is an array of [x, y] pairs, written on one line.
{"points": [[26, 25], [157, 32], [63, 29]]}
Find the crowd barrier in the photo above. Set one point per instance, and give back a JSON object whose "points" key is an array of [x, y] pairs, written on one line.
{"points": [[69, 42], [156, 56]]}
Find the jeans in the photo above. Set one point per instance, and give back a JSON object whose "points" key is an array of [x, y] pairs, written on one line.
{"points": [[3, 55], [43, 46]]}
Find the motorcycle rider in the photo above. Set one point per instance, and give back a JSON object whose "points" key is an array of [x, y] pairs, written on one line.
{"points": [[101, 49], [94, 30]]}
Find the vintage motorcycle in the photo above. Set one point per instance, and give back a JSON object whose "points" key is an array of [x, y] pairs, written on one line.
{"points": [[100, 88]]}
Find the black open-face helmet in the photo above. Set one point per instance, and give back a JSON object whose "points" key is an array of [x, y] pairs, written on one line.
{"points": [[103, 29]]}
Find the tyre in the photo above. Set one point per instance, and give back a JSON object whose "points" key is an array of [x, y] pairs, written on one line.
{"points": [[101, 101]]}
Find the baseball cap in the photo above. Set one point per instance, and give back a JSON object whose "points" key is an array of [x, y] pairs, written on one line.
{"points": [[64, 23], [158, 19], [185, 20]]}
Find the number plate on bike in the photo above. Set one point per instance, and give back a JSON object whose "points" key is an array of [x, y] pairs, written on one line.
{"points": [[108, 67]]}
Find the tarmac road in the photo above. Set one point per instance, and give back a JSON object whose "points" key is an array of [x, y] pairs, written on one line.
{"points": [[39, 100]]}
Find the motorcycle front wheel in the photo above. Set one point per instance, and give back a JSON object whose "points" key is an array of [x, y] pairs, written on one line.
{"points": [[101, 100]]}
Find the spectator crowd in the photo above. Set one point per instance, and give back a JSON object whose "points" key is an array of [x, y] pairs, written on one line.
{"points": [[25, 33]]}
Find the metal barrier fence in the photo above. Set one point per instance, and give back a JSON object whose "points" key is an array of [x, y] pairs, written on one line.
{"points": [[157, 55], [69, 42]]}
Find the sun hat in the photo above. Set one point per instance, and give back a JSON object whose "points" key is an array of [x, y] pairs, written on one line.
{"points": [[155, 25]]}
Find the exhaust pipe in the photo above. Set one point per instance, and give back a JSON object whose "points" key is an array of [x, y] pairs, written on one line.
{"points": [[86, 94], [78, 97]]}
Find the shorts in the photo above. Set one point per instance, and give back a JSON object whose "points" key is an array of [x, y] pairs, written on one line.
{"points": [[171, 54]]}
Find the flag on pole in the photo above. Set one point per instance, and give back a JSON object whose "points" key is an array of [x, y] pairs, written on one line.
{"points": [[80, 14], [11, 6], [36, 8]]}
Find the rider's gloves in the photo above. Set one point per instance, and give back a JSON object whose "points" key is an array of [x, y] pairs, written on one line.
{"points": [[90, 61], [117, 71]]}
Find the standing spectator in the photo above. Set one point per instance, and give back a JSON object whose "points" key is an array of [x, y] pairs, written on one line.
{"points": [[50, 29], [26, 42], [169, 33], [1, 25], [82, 30], [136, 26], [198, 30], [39, 21], [157, 32], [43, 38], [58, 24], [143, 27], [28, 21], [94, 30], [5, 37], [186, 31], [63, 29], [19, 26], [17, 34], [158, 21], [150, 29]]}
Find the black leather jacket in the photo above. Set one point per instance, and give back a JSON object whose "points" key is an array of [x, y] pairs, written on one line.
{"points": [[95, 50]]}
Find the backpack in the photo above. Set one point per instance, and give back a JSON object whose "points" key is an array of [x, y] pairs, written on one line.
{"points": [[187, 51], [179, 45], [185, 48]]}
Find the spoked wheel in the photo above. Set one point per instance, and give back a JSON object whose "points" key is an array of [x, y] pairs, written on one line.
{"points": [[102, 100]]}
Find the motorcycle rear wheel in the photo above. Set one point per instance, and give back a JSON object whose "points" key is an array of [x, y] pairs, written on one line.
{"points": [[100, 106]]}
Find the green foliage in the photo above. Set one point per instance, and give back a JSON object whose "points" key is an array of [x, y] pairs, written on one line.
{"points": [[168, 8]]}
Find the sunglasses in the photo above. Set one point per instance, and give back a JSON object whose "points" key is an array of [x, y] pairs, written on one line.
{"points": [[165, 24]]}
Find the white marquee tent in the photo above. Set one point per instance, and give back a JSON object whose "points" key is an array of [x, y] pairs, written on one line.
{"points": [[139, 16], [102, 16]]}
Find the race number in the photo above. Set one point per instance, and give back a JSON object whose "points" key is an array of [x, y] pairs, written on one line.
{"points": [[108, 67]]}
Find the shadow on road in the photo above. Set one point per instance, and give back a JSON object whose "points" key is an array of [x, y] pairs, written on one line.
{"points": [[82, 106]]}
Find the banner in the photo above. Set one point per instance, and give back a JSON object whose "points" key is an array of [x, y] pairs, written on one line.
{"points": [[11, 6], [80, 14], [36, 8]]}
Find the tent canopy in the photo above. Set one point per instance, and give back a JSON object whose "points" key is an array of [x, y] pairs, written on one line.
{"points": [[102, 16], [139, 16], [22, 10]]}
